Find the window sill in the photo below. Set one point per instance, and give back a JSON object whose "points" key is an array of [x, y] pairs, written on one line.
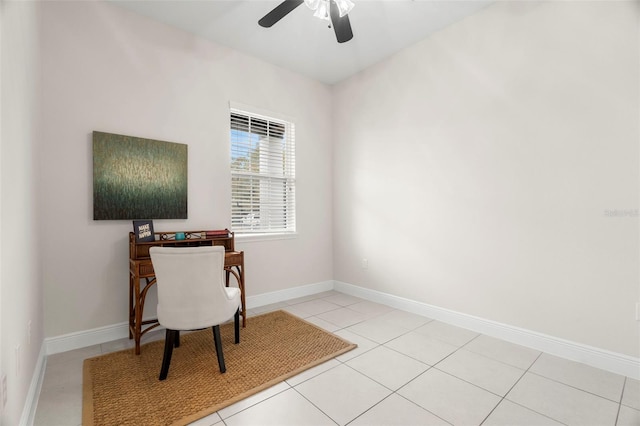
{"points": [[251, 238]]}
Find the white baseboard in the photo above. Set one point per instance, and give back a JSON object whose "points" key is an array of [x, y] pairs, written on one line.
{"points": [[595, 357], [31, 403], [288, 294], [606, 360], [96, 336], [82, 339]]}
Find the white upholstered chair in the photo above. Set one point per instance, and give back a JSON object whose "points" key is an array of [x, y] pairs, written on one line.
{"points": [[192, 295]]}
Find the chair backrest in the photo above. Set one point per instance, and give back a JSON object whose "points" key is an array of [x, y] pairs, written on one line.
{"points": [[191, 287]]}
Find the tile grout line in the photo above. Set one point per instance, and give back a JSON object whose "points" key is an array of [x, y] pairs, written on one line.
{"points": [[624, 385], [314, 405], [626, 380], [504, 397], [502, 362]]}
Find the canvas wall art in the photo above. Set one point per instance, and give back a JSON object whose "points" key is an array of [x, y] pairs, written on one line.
{"points": [[137, 178]]}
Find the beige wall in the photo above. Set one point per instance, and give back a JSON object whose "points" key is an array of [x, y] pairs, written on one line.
{"points": [[477, 171], [481, 170], [110, 70], [20, 287]]}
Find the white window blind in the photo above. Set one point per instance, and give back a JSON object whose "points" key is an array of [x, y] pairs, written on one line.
{"points": [[262, 174]]}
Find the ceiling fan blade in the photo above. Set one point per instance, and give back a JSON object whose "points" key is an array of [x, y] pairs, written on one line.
{"points": [[341, 26], [279, 12]]}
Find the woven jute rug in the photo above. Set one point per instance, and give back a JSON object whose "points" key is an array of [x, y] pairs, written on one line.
{"points": [[122, 388]]}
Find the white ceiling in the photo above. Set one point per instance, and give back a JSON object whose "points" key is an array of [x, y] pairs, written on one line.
{"points": [[303, 43]]}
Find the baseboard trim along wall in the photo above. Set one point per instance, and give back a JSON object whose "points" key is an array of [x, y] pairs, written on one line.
{"points": [[595, 357], [83, 339], [31, 402], [610, 361], [288, 294], [96, 336]]}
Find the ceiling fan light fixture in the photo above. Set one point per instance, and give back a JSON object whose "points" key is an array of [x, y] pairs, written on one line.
{"points": [[312, 4], [344, 6], [336, 14], [322, 11]]}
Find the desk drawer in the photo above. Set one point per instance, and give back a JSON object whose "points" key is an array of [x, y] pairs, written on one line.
{"points": [[146, 269]]}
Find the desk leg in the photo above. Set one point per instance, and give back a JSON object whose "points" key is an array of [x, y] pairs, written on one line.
{"points": [[239, 275], [137, 326], [131, 311], [242, 296]]}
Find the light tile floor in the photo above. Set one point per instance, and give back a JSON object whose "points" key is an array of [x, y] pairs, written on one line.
{"points": [[407, 370]]}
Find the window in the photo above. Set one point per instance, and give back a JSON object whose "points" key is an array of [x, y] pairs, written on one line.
{"points": [[262, 174]]}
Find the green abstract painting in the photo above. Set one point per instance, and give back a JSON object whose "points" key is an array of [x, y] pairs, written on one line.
{"points": [[136, 178]]}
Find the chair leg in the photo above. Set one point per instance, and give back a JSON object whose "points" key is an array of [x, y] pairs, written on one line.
{"points": [[169, 342], [236, 320], [177, 339], [218, 342]]}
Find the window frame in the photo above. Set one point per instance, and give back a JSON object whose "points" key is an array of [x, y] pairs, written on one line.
{"points": [[279, 155]]}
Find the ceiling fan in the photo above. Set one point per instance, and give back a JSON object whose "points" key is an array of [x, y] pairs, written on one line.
{"points": [[334, 11]]}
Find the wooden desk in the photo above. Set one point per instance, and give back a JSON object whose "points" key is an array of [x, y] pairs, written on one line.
{"points": [[141, 268]]}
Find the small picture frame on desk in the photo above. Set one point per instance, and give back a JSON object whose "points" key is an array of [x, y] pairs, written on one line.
{"points": [[143, 230]]}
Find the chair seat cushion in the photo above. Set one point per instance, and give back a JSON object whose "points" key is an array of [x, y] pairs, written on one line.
{"points": [[232, 292]]}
